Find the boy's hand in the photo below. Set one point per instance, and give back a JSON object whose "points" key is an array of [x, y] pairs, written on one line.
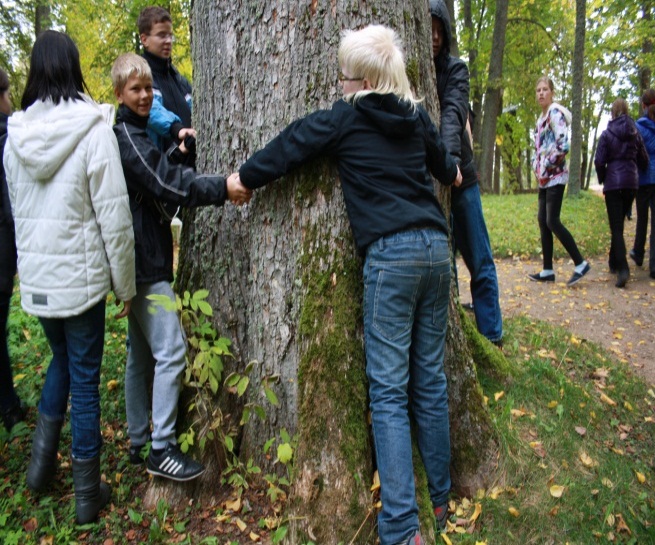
{"points": [[458, 178], [187, 131], [236, 191], [126, 309]]}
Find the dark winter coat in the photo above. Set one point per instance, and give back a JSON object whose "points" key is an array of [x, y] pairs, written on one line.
{"points": [[453, 91], [646, 127], [153, 179], [620, 153], [385, 151], [8, 254]]}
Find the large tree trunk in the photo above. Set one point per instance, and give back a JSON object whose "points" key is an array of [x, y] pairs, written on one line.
{"points": [[493, 96], [575, 176], [284, 277]]}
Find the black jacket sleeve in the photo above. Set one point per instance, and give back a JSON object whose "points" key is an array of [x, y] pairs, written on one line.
{"points": [[440, 163], [149, 171], [454, 102], [301, 141]]}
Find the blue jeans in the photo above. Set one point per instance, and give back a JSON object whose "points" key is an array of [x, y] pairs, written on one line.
{"points": [[77, 344], [472, 241], [406, 294]]}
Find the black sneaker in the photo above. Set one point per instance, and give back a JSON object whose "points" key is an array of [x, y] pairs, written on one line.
{"points": [[578, 276], [173, 464], [137, 457], [13, 416], [538, 278], [441, 517]]}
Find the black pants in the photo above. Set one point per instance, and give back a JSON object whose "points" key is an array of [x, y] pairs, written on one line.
{"points": [[8, 397], [618, 202], [550, 206], [645, 201]]}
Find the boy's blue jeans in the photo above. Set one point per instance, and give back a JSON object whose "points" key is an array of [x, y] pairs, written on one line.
{"points": [[472, 241], [77, 344], [406, 294]]}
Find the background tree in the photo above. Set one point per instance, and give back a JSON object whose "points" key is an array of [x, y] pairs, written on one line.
{"points": [[576, 109], [283, 272]]}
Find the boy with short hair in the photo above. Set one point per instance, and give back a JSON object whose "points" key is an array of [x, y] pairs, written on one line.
{"points": [[157, 346], [170, 119]]}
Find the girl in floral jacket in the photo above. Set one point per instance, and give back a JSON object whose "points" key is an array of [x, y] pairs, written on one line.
{"points": [[549, 164]]}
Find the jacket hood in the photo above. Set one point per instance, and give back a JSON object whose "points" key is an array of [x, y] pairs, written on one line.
{"points": [[439, 10], [647, 124], [623, 127], [394, 117], [44, 136], [567, 115]]}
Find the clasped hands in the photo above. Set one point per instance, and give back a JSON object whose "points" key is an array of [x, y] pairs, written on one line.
{"points": [[237, 193]]}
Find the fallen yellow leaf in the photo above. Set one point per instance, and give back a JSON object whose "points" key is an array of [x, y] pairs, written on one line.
{"points": [[556, 491], [498, 395], [446, 539], [376, 482], [627, 405], [640, 477], [517, 413], [254, 536], [514, 511], [476, 513], [586, 459], [112, 384], [581, 431], [234, 505], [552, 404], [242, 525], [606, 399], [609, 484]]}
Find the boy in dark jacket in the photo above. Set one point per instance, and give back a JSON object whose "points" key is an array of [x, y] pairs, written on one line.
{"points": [[156, 341], [386, 146], [469, 228]]}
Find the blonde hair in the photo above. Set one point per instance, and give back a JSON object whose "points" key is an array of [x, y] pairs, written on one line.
{"points": [[619, 108], [375, 53], [126, 66], [547, 81]]}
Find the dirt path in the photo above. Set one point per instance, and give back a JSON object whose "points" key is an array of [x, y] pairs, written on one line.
{"points": [[621, 320]]}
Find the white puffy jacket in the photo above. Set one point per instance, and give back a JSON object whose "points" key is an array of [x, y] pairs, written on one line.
{"points": [[70, 205]]}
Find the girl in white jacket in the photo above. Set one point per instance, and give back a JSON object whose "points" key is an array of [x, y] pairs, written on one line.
{"points": [[75, 243]]}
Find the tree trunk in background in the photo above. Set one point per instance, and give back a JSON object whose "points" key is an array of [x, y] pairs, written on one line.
{"points": [[575, 176], [645, 71], [42, 19], [476, 97], [454, 42], [283, 275], [493, 96]]}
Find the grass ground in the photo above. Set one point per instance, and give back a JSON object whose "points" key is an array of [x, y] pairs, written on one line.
{"points": [[577, 460]]}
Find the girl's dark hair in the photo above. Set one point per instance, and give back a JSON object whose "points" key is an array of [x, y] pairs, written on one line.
{"points": [[55, 71], [648, 100], [4, 81]]}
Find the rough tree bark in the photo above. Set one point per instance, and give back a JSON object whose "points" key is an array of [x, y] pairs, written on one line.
{"points": [[575, 176], [284, 278]]}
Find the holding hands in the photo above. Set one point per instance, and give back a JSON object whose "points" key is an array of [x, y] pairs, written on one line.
{"points": [[237, 192]]}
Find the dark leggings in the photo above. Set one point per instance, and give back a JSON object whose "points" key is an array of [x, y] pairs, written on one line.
{"points": [[550, 205], [8, 397], [618, 202]]}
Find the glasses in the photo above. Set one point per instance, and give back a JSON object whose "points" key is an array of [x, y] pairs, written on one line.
{"points": [[345, 78], [164, 36]]}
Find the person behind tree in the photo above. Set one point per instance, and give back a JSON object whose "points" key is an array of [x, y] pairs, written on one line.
{"points": [[11, 407], [157, 347], [75, 243], [170, 116], [551, 137], [646, 191], [619, 156], [469, 228], [386, 146]]}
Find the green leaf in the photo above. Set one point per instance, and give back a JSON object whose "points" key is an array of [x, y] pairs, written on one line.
{"points": [[232, 379], [272, 398], [242, 386], [284, 434], [248, 368], [279, 535], [284, 453], [205, 308], [200, 294], [229, 443], [245, 416], [213, 383], [268, 444]]}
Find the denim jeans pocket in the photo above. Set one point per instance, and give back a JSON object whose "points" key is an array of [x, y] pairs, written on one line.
{"points": [[395, 301]]}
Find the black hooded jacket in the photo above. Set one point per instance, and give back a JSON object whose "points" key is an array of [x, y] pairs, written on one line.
{"points": [[453, 90], [7, 236], [153, 180], [385, 150]]}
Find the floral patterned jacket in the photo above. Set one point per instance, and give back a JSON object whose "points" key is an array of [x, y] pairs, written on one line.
{"points": [[551, 136]]}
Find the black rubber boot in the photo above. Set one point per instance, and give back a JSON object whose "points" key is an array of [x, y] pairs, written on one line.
{"points": [[43, 462], [91, 494]]}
